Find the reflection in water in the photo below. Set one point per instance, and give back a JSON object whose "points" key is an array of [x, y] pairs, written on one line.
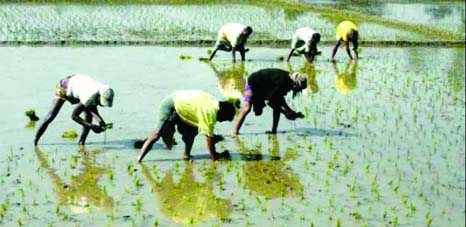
{"points": [[310, 71], [83, 192], [231, 80], [345, 82], [272, 178], [31, 124], [188, 201]]}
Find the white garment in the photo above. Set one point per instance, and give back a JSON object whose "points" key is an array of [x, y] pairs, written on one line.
{"points": [[302, 35], [230, 34], [84, 88]]}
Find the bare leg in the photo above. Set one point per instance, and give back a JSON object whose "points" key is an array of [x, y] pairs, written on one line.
{"points": [[151, 139], [276, 119], [85, 130], [244, 112], [56, 106], [188, 143]]}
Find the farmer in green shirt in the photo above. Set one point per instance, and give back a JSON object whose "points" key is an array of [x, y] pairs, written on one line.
{"points": [[192, 111]]}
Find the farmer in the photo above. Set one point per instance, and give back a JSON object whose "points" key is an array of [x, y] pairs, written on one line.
{"points": [[87, 94], [192, 111], [305, 42], [232, 37], [347, 32], [271, 85]]}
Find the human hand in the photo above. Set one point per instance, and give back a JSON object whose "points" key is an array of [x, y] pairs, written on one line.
{"points": [[271, 132], [217, 138], [97, 129]]}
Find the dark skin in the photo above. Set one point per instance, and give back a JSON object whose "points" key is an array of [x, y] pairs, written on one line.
{"points": [[348, 51], [90, 112], [278, 105], [239, 47], [188, 141], [310, 55]]}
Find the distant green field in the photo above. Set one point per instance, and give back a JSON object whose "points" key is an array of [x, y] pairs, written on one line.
{"points": [[100, 22]]}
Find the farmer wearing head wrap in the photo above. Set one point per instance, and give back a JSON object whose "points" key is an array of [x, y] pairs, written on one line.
{"points": [[87, 94], [192, 111], [272, 85], [305, 42], [347, 32], [232, 37]]}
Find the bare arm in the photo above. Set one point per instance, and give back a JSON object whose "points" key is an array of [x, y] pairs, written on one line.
{"points": [[290, 54], [213, 54], [211, 146], [96, 115], [75, 116], [335, 48]]}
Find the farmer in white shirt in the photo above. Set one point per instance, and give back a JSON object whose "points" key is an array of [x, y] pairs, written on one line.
{"points": [[232, 37], [305, 42], [87, 94]]}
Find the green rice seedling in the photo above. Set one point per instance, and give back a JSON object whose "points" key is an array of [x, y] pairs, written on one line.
{"points": [[138, 205], [185, 57], [70, 134], [394, 221], [31, 114], [280, 58]]}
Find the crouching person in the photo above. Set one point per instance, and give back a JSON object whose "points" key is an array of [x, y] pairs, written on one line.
{"points": [[191, 111], [87, 94]]}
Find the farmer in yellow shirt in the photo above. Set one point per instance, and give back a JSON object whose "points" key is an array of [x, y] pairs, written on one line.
{"points": [[347, 32], [192, 111]]}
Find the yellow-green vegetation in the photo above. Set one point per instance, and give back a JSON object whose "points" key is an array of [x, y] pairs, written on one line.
{"points": [[70, 134]]}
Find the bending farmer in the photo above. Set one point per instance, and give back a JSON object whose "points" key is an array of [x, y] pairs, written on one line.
{"points": [[347, 32], [192, 111], [232, 37], [271, 85], [305, 42], [87, 94]]}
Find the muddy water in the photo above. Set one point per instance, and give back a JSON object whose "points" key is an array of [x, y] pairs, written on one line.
{"points": [[382, 142]]}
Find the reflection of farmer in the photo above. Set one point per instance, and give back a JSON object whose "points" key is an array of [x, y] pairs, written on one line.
{"points": [[232, 37], [347, 32], [272, 85], [192, 111], [188, 201], [305, 42], [310, 71], [87, 94], [272, 178], [83, 189], [345, 82], [231, 81]]}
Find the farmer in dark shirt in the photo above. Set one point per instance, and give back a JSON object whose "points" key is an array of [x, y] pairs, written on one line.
{"points": [[271, 85]]}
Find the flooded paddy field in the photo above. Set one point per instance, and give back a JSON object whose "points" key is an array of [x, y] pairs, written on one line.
{"points": [[382, 142]]}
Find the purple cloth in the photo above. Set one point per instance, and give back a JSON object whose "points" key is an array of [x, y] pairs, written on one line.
{"points": [[247, 93]]}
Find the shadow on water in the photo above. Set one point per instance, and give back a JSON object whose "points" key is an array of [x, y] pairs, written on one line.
{"points": [[272, 178], [83, 192], [188, 201], [307, 132], [108, 144]]}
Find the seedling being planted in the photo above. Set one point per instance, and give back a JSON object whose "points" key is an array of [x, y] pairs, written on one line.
{"points": [[31, 114]]}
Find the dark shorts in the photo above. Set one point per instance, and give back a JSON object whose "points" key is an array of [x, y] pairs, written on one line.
{"points": [[247, 93], [167, 119]]}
